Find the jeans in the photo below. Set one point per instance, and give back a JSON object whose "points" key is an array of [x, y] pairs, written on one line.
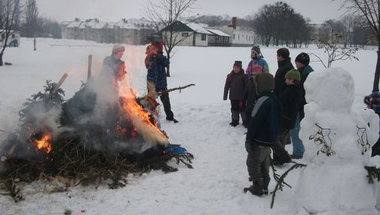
{"points": [[298, 147]]}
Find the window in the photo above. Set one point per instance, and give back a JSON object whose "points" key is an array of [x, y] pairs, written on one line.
{"points": [[234, 36], [185, 34], [203, 37], [238, 36]]}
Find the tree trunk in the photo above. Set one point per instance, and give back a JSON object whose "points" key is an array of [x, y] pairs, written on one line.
{"points": [[168, 68], [1, 59], [377, 72]]}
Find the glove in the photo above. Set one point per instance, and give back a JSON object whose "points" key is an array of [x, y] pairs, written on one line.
{"points": [[241, 104]]}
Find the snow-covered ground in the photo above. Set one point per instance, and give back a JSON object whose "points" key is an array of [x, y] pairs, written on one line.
{"points": [[215, 184]]}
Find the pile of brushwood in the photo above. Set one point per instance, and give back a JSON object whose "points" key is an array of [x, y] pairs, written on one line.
{"points": [[76, 152]]}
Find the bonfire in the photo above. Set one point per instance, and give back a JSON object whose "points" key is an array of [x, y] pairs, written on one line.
{"points": [[80, 142]]}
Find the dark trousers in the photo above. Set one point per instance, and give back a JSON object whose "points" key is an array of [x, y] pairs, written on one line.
{"points": [[258, 162], [236, 110], [279, 152], [166, 102]]}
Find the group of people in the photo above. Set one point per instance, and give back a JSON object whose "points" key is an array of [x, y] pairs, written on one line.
{"points": [[271, 108]]}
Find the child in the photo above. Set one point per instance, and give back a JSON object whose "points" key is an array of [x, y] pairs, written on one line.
{"points": [[262, 134], [373, 102], [236, 83], [290, 99], [250, 93]]}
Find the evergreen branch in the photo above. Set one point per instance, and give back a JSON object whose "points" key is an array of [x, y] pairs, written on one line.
{"points": [[281, 182], [373, 173], [319, 139]]}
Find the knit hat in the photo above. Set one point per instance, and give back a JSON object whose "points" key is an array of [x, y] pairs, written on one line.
{"points": [[293, 74], [256, 49], [238, 63], [265, 83], [257, 68], [117, 47], [283, 52], [303, 58]]}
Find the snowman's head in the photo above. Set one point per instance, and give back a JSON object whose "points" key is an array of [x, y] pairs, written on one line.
{"points": [[331, 89]]}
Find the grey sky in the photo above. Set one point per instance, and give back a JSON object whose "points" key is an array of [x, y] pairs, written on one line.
{"points": [[114, 10]]}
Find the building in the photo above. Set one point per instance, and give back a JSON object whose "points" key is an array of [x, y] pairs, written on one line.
{"points": [[126, 31], [239, 36], [189, 34], [218, 38]]}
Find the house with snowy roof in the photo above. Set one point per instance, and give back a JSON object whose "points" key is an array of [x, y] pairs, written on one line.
{"points": [[187, 34]]}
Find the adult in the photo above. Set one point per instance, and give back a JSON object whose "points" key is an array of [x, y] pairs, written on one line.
{"points": [[156, 64], [284, 65], [256, 59], [302, 63]]}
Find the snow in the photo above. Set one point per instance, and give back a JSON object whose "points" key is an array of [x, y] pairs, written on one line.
{"points": [[215, 184]]}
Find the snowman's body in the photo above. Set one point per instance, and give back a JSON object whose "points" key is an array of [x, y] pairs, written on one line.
{"points": [[337, 182]]}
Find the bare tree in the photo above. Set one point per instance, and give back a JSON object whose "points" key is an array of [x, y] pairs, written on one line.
{"points": [[334, 50], [369, 10], [164, 14], [31, 25], [8, 12]]}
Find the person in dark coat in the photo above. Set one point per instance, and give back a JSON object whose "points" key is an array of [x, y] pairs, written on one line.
{"points": [[290, 99], [236, 82], [284, 65], [156, 64], [302, 63], [373, 102], [250, 93], [262, 134]]}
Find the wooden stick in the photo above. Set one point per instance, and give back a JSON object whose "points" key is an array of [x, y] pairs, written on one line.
{"points": [[174, 89], [89, 67], [60, 83]]}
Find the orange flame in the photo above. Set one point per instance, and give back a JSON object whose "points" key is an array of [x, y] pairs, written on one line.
{"points": [[44, 143], [141, 120]]}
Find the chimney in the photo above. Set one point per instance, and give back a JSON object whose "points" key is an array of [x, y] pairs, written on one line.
{"points": [[234, 22]]}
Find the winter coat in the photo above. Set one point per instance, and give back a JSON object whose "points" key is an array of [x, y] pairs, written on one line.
{"points": [[236, 84], [264, 125], [290, 100], [279, 79], [157, 72], [305, 71], [109, 66], [250, 95], [254, 62]]}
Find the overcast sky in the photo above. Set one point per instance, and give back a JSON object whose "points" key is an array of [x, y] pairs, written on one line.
{"points": [[114, 10]]}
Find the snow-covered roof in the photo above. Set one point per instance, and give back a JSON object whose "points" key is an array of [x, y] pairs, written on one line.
{"points": [[74, 24], [199, 28], [218, 32], [133, 24], [123, 24]]}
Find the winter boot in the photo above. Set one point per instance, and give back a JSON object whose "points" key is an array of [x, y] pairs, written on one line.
{"points": [[172, 119], [257, 188], [265, 186], [234, 123]]}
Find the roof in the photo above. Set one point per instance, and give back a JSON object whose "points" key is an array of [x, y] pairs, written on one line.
{"points": [[199, 28], [218, 32], [74, 24]]}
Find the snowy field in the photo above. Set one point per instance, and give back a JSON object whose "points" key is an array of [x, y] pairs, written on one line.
{"points": [[215, 184]]}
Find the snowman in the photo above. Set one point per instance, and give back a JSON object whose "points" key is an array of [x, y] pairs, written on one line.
{"points": [[337, 138]]}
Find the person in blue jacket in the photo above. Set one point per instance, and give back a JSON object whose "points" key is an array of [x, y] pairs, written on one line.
{"points": [[156, 64], [302, 64], [262, 134]]}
